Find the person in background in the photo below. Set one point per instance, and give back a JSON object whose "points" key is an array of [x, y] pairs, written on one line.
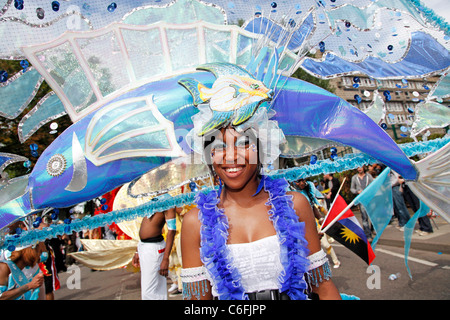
{"points": [[48, 265], [307, 188], [359, 182], [400, 208], [20, 276], [333, 184], [425, 226], [153, 253]]}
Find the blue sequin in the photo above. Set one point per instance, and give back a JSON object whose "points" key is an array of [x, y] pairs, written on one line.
{"points": [[3, 76], [55, 6], [112, 7], [193, 186], [40, 13], [18, 4], [24, 64]]}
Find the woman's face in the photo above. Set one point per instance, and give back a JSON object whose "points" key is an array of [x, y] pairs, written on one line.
{"points": [[301, 184], [234, 157]]}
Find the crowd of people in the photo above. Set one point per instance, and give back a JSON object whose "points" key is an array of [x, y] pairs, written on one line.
{"points": [[39, 265]]}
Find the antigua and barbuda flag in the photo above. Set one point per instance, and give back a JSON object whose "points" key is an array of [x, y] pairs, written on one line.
{"points": [[347, 230]]}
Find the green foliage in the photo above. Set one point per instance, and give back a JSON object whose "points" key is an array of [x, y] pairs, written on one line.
{"points": [[303, 75]]}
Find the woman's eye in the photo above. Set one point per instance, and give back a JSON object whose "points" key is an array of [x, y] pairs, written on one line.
{"points": [[218, 146], [242, 142]]}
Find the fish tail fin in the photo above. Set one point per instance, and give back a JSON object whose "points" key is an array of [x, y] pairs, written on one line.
{"points": [[433, 184], [245, 113], [218, 119], [194, 87]]}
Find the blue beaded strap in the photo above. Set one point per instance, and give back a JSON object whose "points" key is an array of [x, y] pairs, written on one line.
{"points": [[195, 289], [315, 276]]}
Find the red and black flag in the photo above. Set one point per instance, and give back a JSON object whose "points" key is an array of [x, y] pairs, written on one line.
{"points": [[347, 231]]}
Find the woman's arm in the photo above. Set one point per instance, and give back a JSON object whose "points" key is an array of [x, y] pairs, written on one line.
{"points": [[195, 284], [12, 294], [325, 288]]}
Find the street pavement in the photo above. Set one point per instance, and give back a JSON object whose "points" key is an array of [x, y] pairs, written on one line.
{"points": [[429, 262]]}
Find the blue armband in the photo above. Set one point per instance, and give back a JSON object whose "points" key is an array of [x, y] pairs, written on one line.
{"points": [[171, 224]]}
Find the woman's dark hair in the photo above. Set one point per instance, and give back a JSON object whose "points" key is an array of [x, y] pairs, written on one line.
{"points": [[307, 189]]}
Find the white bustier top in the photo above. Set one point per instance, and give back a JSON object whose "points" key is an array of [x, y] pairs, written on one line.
{"points": [[258, 263]]}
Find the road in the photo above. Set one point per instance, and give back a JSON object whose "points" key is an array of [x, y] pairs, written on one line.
{"points": [[430, 275], [430, 278]]}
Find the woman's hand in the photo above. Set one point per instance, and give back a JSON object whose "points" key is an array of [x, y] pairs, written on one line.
{"points": [[135, 260], [37, 281]]}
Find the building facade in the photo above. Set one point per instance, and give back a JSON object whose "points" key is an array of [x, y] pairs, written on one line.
{"points": [[400, 96]]}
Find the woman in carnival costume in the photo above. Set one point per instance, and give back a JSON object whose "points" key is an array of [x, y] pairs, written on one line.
{"points": [[17, 279], [251, 238], [308, 189]]}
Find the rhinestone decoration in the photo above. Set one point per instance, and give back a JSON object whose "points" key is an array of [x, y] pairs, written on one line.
{"points": [[56, 165]]}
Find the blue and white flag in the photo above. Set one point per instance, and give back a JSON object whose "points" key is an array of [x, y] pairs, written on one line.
{"points": [[377, 200]]}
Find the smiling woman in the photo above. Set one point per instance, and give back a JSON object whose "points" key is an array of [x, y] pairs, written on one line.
{"points": [[251, 238], [234, 157]]}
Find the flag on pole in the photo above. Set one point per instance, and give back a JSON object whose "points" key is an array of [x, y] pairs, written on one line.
{"points": [[347, 230]]}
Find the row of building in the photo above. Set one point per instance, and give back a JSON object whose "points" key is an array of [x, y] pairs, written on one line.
{"points": [[404, 95]]}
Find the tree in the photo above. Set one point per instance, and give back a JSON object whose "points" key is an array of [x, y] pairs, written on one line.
{"points": [[9, 141]]}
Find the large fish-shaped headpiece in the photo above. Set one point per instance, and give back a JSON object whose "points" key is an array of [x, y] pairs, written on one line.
{"points": [[234, 96]]}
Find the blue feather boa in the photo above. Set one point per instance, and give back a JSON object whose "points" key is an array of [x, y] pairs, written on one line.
{"points": [[216, 257]]}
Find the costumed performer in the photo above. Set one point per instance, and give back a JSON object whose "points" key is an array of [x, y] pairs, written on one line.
{"points": [[308, 189], [153, 253], [251, 238], [48, 264], [20, 276]]}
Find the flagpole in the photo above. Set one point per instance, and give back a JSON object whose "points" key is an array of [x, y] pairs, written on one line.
{"points": [[334, 200], [337, 217]]}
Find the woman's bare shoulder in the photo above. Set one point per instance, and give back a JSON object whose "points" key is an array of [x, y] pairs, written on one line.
{"points": [[298, 198], [301, 205], [190, 219]]}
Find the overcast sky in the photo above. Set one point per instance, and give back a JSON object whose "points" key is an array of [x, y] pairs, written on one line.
{"points": [[440, 7]]}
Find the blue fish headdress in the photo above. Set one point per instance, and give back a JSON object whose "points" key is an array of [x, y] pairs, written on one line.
{"points": [[134, 78]]}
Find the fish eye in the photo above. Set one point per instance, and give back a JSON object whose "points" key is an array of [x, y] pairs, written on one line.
{"points": [[254, 86]]}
